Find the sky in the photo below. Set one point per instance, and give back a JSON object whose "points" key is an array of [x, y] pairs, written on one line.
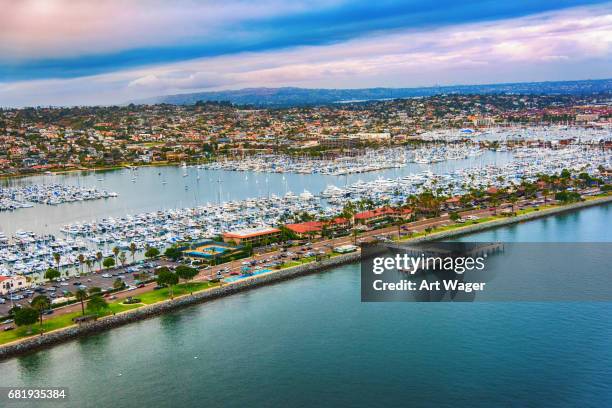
{"points": [[84, 52]]}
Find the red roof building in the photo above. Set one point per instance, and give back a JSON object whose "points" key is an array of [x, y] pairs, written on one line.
{"points": [[316, 227], [379, 214], [251, 236]]}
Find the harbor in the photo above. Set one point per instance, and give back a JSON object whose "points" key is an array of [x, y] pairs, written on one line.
{"points": [[294, 310], [369, 161], [86, 235], [13, 198]]}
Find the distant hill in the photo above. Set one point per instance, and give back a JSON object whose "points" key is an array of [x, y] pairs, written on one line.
{"points": [[284, 97]]}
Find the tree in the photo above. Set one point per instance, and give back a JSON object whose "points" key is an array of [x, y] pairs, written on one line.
{"points": [[41, 303], [81, 259], [133, 250], [57, 257], [108, 262], [81, 296], [122, 258], [165, 277], [118, 283], [454, 216], [89, 264], [26, 316], [52, 274], [186, 272], [96, 304], [513, 200], [99, 257], [151, 253], [545, 192], [115, 253], [398, 223], [173, 253]]}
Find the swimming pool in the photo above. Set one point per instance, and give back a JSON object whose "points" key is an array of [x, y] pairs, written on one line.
{"points": [[239, 277], [207, 251]]}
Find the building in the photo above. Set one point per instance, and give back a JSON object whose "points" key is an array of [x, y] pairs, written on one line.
{"points": [[586, 117], [381, 137], [315, 228], [11, 283], [382, 214], [374, 216], [306, 229], [337, 142], [251, 236]]}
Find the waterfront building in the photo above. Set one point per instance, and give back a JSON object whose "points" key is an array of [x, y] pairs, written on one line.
{"points": [[12, 283], [377, 215], [315, 228], [251, 236]]}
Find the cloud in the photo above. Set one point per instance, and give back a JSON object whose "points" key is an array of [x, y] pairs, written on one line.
{"points": [[39, 29], [569, 44], [71, 38]]}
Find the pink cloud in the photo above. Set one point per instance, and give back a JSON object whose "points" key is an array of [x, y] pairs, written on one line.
{"points": [[572, 44]]}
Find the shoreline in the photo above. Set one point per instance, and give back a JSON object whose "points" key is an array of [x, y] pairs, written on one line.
{"points": [[34, 343], [87, 169]]}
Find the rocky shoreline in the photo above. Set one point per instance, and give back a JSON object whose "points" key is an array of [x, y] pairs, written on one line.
{"points": [[62, 335]]}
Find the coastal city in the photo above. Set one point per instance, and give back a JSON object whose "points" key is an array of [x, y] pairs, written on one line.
{"points": [[36, 140], [337, 203], [443, 169]]}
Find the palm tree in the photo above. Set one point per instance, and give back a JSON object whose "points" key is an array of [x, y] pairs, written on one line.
{"points": [[81, 259], [41, 303], [81, 296], [99, 259], [122, 258], [399, 222], [115, 253], [133, 250], [57, 257], [513, 200], [88, 264]]}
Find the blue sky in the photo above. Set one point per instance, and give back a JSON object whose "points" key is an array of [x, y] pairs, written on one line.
{"points": [[84, 52]]}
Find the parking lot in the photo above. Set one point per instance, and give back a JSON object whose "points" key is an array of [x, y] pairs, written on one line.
{"points": [[64, 286]]}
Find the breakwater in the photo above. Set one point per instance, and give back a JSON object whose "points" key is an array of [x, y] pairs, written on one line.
{"points": [[470, 229], [62, 335]]}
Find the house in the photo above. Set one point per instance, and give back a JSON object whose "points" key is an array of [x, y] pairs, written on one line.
{"points": [[12, 283], [251, 236]]}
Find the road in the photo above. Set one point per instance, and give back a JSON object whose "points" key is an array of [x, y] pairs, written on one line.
{"points": [[262, 259]]}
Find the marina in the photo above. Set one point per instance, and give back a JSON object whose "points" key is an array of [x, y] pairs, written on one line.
{"points": [[527, 164], [369, 161], [523, 134], [30, 251], [150, 189], [321, 315], [13, 198]]}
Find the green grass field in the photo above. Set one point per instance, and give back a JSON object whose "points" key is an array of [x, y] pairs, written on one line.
{"points": [[148, 298], [155, 296]]}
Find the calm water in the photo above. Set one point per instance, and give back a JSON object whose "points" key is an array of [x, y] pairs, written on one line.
{"points": [[149, 194], [310, 342]]}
